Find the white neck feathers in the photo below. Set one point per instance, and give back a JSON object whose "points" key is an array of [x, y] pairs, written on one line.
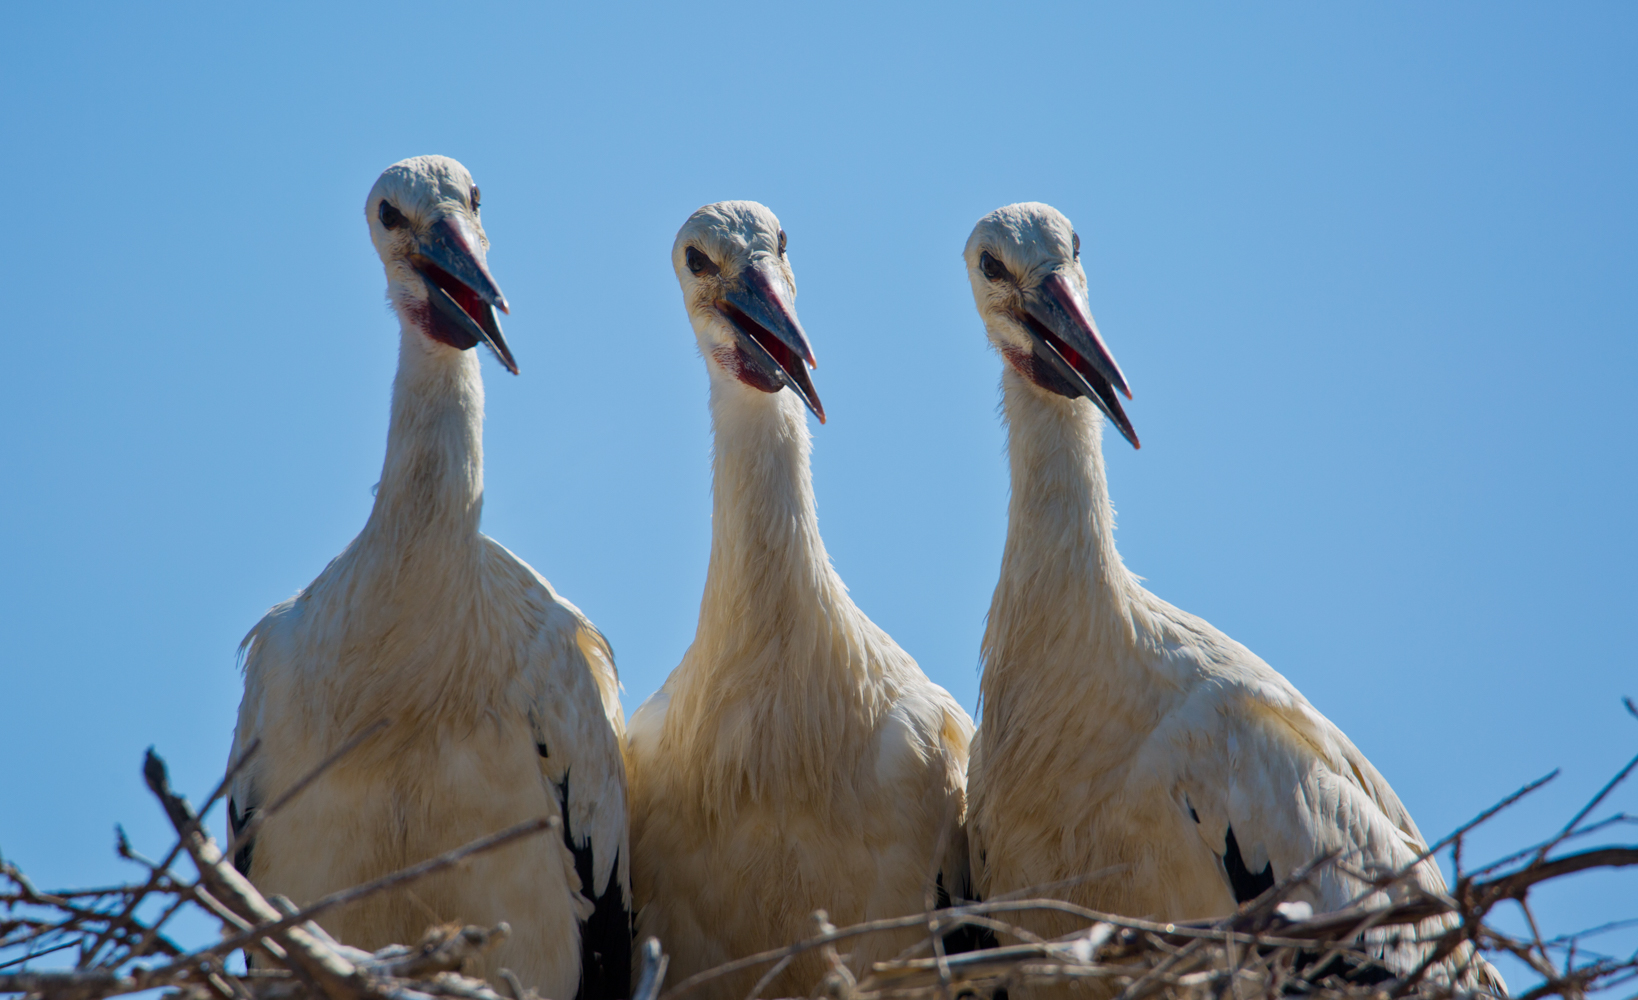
{"points": [[430, 496], [400, 619], [765, 544], [786, 677], [1064, 596]]}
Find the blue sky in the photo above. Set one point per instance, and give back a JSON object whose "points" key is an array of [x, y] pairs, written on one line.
{"points": [[1370, 270]]}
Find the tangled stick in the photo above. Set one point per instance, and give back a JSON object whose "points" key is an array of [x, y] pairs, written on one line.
{"points": [[1271, 947]]}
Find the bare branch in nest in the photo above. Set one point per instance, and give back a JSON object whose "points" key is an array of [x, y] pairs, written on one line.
{"points": [[297, 959], [239, 840], [654, 965], [1271, 947]]}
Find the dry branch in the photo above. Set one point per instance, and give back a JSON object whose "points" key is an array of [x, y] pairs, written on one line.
{"points": [[1266, 949], [297, 959], [1270, 948]]}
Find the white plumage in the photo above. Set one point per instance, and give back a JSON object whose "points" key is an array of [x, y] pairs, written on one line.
{"points": [[1121, 738], [501, 699], [797, 758]]}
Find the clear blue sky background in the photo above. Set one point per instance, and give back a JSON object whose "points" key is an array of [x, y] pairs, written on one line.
{"points": [[1370, 270]]}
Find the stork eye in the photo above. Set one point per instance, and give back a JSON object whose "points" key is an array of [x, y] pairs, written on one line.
{"points": [[391, 217], [1077, 241], [992, 268], [475, 202], [782, 243], [697, 262]]}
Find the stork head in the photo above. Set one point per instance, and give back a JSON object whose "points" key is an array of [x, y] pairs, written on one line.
{"points": [[423, 216], [740, 294], [1024, 262]]}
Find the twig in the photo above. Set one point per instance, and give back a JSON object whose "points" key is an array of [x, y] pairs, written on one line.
{"points": [[653, 974], [1569, 828], [239, 838], [333, 975], [87, 957], [390, 881]]}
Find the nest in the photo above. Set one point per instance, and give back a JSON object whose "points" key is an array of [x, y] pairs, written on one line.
{"points": [[1272, 947]]}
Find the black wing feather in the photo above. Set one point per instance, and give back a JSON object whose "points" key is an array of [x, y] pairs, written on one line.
{"points": [[605, 937], [967, 937], [237, 821], [1247, 884]]}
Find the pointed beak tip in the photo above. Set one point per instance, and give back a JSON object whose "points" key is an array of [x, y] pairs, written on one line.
{"points": [[500, 303]]}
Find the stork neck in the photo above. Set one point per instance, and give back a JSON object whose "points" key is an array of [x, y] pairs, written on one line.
{"points": [[765, 544], [1060, 555], [431, 489], [785, 678]]}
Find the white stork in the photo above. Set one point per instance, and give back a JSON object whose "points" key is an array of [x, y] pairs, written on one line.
{"points": [[797, 758], [1124, 742], [500, 699]]}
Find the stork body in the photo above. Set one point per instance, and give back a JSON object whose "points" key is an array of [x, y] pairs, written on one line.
{"points": [[1125, 743], [500, 700], [797, 758]]}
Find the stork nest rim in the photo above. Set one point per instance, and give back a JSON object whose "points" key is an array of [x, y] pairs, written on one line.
{"points": [[1270, 947]]}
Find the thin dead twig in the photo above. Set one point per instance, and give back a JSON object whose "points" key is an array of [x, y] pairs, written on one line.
{"points": [[238, 839]]}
